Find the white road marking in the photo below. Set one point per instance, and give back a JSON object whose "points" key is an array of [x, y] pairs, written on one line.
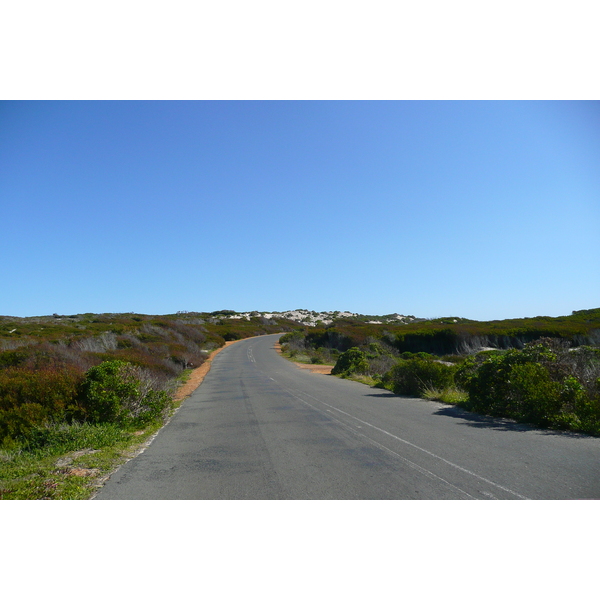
{"points": [[463, 469], [501, 487], [411, 464]]}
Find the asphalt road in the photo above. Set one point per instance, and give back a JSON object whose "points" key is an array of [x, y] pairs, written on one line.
{"points": [[260, 428]]}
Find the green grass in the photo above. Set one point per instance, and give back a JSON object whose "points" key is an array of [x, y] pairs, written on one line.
{"points": [[65, 461], [448, 395], [309, 357], [68, 462], [364, 379], [299, 357], [183, 377]]}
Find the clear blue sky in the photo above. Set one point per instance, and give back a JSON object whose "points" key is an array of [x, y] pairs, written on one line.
{"points": [[485, 210]]}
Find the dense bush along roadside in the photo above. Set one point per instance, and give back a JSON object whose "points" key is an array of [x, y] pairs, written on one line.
{"points": [[79, 393], [548, 382], [102, 368], [449, 335], [121, 368]]}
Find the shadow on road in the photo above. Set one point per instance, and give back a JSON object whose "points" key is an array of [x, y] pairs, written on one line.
{"points": [[483, 421], [470, 419]]}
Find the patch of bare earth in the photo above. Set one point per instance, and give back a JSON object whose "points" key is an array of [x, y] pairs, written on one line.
{"points": [[65, 467], [322, 369]]}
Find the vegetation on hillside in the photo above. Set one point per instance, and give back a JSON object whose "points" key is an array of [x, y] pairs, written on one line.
{"points": [[95, 382], [92, 384], [454, 335], [47, 363], [544, 371]]}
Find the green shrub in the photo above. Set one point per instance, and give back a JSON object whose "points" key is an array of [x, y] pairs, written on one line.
{"points": [[12, 358], [412, 377], [533, 396], [453, 358], [489, 385], [32, 398], [329, 338], [374, 350], [580, 408], [351, 361], [546, 384], [232, 336], [292, 336], [119, 392]]}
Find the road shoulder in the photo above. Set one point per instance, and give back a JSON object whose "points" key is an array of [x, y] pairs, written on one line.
{"points": [[320, 369]]}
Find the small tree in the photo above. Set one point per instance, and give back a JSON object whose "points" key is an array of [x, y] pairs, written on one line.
{"points": [[351, 361]]}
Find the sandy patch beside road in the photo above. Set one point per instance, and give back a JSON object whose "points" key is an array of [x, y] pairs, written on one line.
{"points": [[322, 369]]}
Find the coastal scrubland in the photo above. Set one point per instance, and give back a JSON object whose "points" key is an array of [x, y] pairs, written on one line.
{"points": [[544, 371], [88, 388], [78, 393]]}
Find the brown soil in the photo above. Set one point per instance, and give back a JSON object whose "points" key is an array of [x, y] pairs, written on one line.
{"points": [[78, 472], [322, 369]]}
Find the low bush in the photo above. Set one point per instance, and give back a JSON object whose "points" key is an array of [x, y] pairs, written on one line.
{"points": [[12, 358], [413, 376], [409, 355], [546, 384], [119, 392], [292, 336], [32, 398], [380, 365], [351, 361]]}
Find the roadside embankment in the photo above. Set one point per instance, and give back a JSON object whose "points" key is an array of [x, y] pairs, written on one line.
{"points": [[321, 369]]}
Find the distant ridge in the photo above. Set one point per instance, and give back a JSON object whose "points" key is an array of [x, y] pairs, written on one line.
{"points": [[313, 318]]}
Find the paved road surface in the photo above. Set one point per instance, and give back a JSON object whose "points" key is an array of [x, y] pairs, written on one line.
{"points": [[260, 428]]}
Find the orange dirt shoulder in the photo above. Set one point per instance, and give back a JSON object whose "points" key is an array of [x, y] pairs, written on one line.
{"points": [[197, 376]]}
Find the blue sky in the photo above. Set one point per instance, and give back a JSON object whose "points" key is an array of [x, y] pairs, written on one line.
{"points": [[480, 209]]}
